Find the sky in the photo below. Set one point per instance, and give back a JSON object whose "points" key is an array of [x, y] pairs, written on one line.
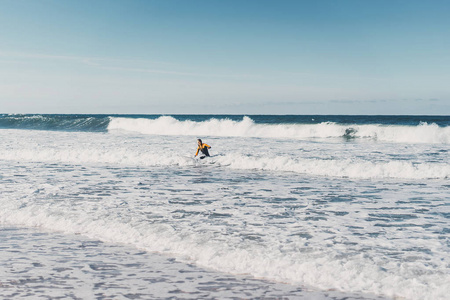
{"points": [[225, 57]]}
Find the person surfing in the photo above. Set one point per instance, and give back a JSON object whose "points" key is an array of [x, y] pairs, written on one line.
{"points": [[203, 148]]}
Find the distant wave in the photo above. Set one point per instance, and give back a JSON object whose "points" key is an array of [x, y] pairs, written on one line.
{"points": [[55, 122], [166, 125]]}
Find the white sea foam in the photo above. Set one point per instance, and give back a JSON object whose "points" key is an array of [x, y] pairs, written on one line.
{"points": [[316, 229], [353, 168], [318, 167], [166, 125], [317, 268], [266, 159]]}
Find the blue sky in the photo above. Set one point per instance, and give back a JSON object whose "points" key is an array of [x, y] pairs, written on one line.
{"points": [[237, 57]]}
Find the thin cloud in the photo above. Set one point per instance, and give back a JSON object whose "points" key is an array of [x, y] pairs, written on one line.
{"points": [[112, 64]]}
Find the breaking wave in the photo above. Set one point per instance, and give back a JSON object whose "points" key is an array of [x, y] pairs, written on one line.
{"points": [[166, 125]]}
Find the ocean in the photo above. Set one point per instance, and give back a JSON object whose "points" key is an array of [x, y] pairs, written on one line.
{"points": [[286, 207]]}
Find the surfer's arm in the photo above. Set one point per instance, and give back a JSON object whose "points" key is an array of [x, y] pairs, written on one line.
{"points": [[206, 145], [197, 151]]}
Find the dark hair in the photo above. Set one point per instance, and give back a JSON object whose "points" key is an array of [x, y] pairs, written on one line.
{"points": [[200, 141]]}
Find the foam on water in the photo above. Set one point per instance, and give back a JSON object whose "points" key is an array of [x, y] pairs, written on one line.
{"points": [[355, 168], [298, 240], [338, 168], [70, 267]]}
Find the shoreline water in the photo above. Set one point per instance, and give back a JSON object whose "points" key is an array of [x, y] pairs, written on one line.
{"points": [[35, 263]]}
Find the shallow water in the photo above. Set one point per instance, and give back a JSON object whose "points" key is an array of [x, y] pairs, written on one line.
{"points": [[36, 264]]}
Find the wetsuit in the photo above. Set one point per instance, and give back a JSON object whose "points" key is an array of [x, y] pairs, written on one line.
{"points": [[204, 149]]}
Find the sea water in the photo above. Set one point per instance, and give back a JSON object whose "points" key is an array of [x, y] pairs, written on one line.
{"points": [[314, 207]]}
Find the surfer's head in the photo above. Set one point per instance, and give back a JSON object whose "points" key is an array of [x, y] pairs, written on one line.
{"points": [[199, 141]]}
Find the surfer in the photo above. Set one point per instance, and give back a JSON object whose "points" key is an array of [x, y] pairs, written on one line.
{"points": [[203, 148]]}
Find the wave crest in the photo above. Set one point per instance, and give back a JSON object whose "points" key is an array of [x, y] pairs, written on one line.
{"points": [[166, 125]]}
